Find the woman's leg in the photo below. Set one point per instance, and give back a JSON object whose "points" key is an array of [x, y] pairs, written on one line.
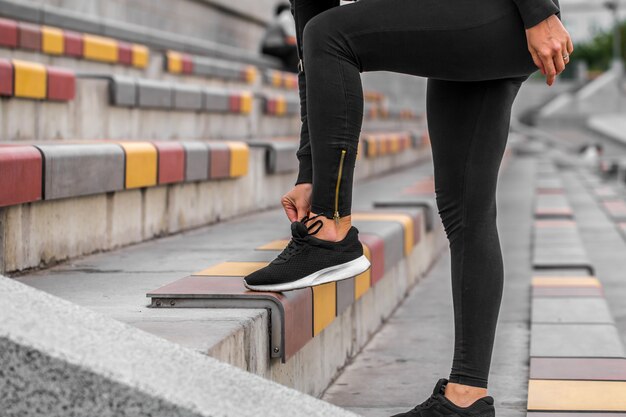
{"points": [[451, 43], [468, 125], [430, 38], [303, 11]]}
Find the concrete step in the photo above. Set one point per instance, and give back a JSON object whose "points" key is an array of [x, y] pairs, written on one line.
{"points": [[116, 283]]}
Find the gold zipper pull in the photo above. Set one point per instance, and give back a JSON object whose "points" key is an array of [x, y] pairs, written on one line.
{"points": [[336, 215]]}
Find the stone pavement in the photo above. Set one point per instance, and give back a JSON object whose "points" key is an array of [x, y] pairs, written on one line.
{"points": [[401, 364]]}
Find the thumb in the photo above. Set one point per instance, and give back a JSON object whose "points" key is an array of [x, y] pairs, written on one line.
{"points": [[302, 211]]}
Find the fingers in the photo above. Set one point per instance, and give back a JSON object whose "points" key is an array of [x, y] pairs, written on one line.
{"points": [[291, 213], [302, 211], [549, 69], [570, 46], [537, 61]]}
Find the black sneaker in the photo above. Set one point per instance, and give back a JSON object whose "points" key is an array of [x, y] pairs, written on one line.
{"points": [[437, 405], [307, 261]]}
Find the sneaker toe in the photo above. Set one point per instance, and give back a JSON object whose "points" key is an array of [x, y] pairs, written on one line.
{"points": [[258, 277]]}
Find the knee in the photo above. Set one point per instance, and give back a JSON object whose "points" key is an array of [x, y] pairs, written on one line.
{"points": [[316, 34], [323, 34]]}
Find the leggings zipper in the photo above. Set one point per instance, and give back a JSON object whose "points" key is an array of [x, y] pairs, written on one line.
{"points": [[336, 215]]}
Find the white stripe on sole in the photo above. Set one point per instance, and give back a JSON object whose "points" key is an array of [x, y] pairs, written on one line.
{"points": [[323, 276]]}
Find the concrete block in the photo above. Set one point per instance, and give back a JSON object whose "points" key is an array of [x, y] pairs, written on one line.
{"points": [[197, 161], [154, 94], [570, 310], [74, 170], [123, 91], [575, 340], [216, 100], [187, 97]]}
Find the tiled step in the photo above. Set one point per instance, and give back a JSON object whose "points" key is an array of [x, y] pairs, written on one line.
{"points": [[577, 358]]}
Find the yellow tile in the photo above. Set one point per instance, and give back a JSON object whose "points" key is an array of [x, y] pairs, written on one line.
{"points": [[141, 164], [571, 395], [251, 74], [372, 147], [52, 40], [99, 48], [277, 79], [274, 245], [281, 105], [404, 219], [174, 62], [30, 79], [141, 55], [395, 144], [550, 281], [232, 269], [239, 158], [246, 102], [362, 282], [324, 306]]}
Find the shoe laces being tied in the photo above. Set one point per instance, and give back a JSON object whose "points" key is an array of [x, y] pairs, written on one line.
{"points": [[299, 232]]}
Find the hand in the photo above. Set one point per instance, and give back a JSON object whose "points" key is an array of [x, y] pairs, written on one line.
{"points": [[297, 202], [548, 41]]}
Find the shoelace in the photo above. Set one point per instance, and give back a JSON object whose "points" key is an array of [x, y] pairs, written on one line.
{"points": [[430, 401], [296, 242]]}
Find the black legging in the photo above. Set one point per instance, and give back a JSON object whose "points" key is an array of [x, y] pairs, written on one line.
{"points": [[475, 55]]}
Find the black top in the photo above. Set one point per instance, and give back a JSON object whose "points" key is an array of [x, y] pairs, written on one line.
{"points": [[535, 11]]}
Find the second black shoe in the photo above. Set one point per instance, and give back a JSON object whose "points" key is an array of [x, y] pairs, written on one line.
{"points": [[307, 261], [437, 405]]}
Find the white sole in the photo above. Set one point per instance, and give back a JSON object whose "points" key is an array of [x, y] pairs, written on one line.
{"points": [[323, 276]]}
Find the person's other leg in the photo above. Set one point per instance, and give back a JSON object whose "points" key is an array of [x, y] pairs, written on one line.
{"points": [[430, 38], [303, 11], [468, 124]]}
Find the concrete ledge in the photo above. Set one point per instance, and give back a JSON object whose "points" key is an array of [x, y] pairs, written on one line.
{"points": [[63, 359], [46, 232]]}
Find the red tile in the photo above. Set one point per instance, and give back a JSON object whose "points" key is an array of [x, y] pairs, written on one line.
{"points": [[219, 160], [6, 78], [554, 223], [20, 174], [29, 36], [270, 105], [376, 246], [124, 53], [8, 33], [73, 44], [234, 103], [171, 162], [600, 369], [187, 64], [61, 84], [567, 292]]}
